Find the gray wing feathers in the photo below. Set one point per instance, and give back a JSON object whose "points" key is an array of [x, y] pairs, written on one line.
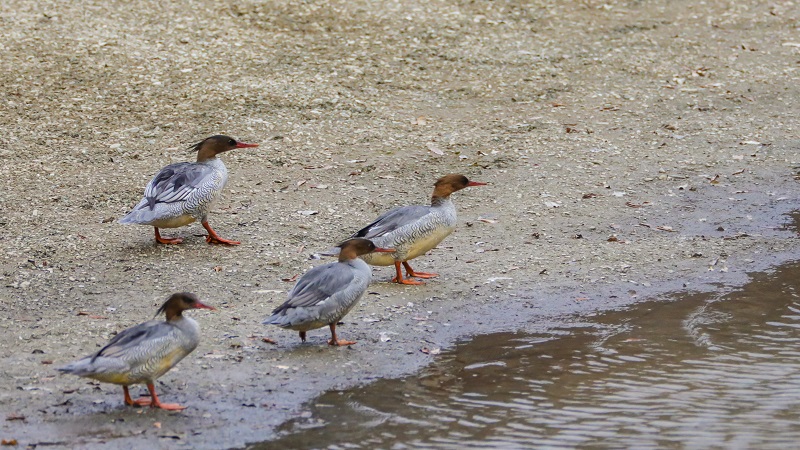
{"points": [[393, 220], [176, 183], [310, 297], [89, 366], [137, 338], [128, 349], [318, 284]]}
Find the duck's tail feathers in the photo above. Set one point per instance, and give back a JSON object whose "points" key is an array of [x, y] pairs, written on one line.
{"points": [[88, 367], [277, 319], [141, 215]]}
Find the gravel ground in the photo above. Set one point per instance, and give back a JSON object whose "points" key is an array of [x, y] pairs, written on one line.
{"points": [[632, 148]]}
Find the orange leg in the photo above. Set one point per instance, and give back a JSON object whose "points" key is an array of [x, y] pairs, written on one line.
{"points": [[410, 272], [156, 403], [161, 240], [399, 277], [335, 341], [213, 237], [144, 401]]}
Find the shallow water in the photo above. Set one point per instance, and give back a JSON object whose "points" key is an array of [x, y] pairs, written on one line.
{"points": [[694, 371]]}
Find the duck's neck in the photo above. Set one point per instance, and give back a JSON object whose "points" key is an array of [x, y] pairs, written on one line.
{"points": [[347, 255], [205, 154], [437, 200], [173, 315], [214, 162]]}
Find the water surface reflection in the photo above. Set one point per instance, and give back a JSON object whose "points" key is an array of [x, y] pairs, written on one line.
{"points": [[695, 371]]}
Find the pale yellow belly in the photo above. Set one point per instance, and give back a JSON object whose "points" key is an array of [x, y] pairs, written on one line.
{"points": [[113, 378], [174, 222], [169, 361], [418, 247], [140, 374], [380, 259], [424, 244]]}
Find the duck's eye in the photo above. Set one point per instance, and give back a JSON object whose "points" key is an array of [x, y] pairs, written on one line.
{"points": [[232, 142]]}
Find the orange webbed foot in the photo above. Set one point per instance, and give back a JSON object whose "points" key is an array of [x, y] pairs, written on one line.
{"points": [[340, 342], [218, 240], [154, 402], [142, 401], [423, 274], [407, 281], [169, 406], [213, 237], [412, 273], [168, 241]]}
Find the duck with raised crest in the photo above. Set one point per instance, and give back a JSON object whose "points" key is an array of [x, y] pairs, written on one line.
{"points": [[143, 353], [414, 230], [182, 193], [326, 293]]}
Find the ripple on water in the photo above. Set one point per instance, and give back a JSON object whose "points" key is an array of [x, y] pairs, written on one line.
{"points": [[696, 372]]}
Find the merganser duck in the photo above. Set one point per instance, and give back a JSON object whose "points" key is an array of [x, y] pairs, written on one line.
{"points": [[414, 230], [328, 292], [184, 192], [143, 353]]}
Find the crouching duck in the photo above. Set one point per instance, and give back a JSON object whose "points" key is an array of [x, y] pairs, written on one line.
{"points": [[326, 293]]}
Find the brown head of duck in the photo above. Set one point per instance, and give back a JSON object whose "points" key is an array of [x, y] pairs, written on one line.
{"points": [[448, 184], [179, 302], [212, 146], [353, 248]]}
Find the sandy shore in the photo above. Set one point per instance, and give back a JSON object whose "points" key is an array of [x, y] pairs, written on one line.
{"points": [[632, 149]]}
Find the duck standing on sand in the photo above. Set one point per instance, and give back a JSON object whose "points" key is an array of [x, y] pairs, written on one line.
{"points": [[414, 230], [328, 292], [184, 192], [143, 353]]}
